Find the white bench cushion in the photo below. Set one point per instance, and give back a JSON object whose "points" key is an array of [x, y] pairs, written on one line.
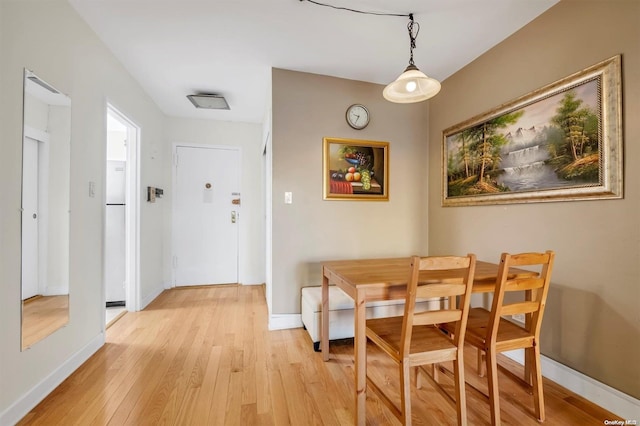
{"points": [[338, 299], [341, 321]]}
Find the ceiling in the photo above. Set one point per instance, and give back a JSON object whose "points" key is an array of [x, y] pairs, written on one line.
{"points": [[174, 48]]}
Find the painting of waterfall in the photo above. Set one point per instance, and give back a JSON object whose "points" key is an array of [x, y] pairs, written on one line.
{"points": [[561, 142]]}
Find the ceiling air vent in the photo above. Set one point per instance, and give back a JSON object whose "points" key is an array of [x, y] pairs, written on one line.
{"points": [[209, 101]]}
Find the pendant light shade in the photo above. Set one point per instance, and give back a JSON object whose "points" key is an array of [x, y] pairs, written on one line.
{"points": [[412, 86]]}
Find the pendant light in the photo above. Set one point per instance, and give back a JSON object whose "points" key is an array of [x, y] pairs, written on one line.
{"points": [[412, 85]]}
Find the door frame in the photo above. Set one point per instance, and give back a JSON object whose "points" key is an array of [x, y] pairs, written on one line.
{"points": [[132, 210], [42, 140], [174, 176]]}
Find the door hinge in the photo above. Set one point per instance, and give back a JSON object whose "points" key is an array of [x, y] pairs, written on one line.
{"points": [[175, 262]]}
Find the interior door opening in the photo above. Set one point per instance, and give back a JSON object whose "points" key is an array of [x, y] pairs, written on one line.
{"points": [[34, 196], [121, 230]]}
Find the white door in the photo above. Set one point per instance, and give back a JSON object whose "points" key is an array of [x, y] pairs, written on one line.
{"points": [[205, 219], [30, 264]]}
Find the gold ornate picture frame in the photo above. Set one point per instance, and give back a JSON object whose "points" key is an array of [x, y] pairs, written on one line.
{"points": [[355, 169], [561, 142]]}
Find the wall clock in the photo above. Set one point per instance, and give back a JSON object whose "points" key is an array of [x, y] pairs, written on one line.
{"points": [[357, 116]]}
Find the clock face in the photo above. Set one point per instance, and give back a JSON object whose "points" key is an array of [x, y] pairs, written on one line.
{"points": [[358, 116]]}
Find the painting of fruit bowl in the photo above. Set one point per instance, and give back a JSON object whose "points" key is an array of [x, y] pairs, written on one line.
{"points": [[355, 169]]}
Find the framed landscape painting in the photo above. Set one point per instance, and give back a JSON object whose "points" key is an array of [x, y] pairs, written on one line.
{"points": [[355, 169], [561, 142]]}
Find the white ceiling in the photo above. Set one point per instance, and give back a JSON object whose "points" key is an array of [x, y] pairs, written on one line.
{"points": [[174, 48]]}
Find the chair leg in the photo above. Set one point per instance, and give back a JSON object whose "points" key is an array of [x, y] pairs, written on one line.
{"points": [[528, 361], [435, 373], [480, 362], [418, 378], [461, 398], [405, 393], [536, 375], [494, 393]]}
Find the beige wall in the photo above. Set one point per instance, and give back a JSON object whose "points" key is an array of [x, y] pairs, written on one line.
{"points": [[592, 322], [49, 38], [306, 108]]}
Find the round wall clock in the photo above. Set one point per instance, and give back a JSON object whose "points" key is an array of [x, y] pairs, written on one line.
{"points": [[357, 116]]}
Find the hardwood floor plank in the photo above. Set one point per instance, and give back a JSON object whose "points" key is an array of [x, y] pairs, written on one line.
{"points": [[204, 356], [202, 405], [219, 402]]}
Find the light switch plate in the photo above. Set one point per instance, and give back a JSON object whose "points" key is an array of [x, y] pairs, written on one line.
{"points": [[288, 197]]}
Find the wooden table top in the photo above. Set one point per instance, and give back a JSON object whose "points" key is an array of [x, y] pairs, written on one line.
{"points": [[391, 272]]}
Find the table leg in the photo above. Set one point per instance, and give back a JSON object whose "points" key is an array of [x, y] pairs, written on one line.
{"points": [[360, 346], [324, 333]]}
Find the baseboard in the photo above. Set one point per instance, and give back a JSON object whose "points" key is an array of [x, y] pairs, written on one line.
{"points": [[150, 298], [24, 404], [605, 396], [60, 290], [281, 322]]}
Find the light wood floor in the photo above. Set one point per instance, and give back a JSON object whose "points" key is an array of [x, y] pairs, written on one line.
{"points": [[204, 356], [42, 316]]}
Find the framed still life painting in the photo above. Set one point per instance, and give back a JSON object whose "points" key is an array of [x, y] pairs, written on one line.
{"points": [[355, 169]]}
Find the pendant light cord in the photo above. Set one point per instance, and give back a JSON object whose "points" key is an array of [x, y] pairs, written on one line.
{"points": [[412, 36], [358, 11], [412, 26]]}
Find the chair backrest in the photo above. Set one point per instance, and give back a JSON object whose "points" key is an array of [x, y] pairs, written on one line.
{"points": [[537, 285], [438, 276]]}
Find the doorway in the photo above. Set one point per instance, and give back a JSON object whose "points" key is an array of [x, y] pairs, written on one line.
{"points": [[206, 215], [121, 269], [34, 204]]}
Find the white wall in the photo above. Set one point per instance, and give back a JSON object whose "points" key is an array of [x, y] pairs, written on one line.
{"points": [[248, 137], [58, 200], [49, 38]]}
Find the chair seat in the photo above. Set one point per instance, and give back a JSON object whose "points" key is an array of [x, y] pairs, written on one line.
{"points": [[507, 331], [477, 324], [426, 338]]}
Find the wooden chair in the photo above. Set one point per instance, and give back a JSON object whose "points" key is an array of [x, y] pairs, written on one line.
{"points": [[413, 339], [491, 333]]}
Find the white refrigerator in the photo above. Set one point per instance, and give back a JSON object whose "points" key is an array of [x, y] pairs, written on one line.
{"points": [[115, 232]]}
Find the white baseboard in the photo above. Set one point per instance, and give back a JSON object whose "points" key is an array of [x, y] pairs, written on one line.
{"points": [[26, 402], [60, 290], [280, 322], [150, 298], [605, 396]]}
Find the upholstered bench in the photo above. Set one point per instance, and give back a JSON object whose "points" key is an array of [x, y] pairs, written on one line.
{"points": [[341, 321]]}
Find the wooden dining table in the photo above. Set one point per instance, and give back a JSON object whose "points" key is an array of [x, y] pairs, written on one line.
{"points": [[368, 280]]}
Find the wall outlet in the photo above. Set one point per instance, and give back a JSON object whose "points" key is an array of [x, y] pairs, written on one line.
{"points": [[518, 318]]}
